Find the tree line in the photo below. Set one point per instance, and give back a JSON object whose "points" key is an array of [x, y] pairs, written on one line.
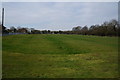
{"points": [[108, 28]]}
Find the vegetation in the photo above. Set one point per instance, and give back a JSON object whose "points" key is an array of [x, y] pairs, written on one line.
{"points": [[59, 56], [110, 28]]}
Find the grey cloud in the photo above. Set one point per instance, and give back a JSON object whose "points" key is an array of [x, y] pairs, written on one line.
{"points": [[60, 15]]}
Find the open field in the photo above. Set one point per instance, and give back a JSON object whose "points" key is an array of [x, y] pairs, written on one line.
{"points": [[59, 56]]}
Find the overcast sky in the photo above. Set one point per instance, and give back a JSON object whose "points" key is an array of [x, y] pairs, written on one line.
{"points": [[58, 15]]}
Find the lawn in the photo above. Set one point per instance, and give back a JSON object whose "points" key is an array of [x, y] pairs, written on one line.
{"points": [[59, 56]]}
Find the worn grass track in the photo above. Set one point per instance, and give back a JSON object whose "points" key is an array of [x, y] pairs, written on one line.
{"points": [[59, 56]]}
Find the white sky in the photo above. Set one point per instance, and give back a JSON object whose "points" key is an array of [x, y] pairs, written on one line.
{"points": [[59, 0], [58, 15]]}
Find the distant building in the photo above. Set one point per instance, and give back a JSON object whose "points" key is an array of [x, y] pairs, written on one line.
{"points": [[22, 30]]}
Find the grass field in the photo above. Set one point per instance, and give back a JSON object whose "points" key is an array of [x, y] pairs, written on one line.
{"points": [[59, 56]]}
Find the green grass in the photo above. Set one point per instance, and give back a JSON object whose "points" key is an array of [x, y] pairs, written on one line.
{"points": [[59, 56]]}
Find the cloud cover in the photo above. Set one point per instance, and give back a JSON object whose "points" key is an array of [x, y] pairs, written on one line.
{"points": [[58, 15], [60, 0]]}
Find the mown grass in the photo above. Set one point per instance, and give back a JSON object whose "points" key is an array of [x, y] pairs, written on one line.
{"points": [[59, 56]]}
